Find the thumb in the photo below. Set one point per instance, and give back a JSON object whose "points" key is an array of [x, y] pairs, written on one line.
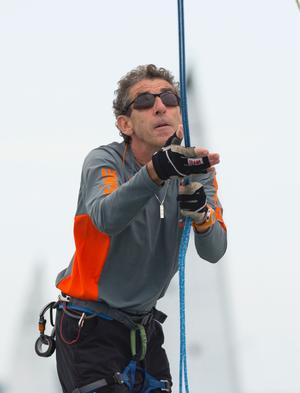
{"points": [[179, 132], [175, 139]]}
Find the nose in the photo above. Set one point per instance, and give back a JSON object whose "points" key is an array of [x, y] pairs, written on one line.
{"points": [[159, 107]]}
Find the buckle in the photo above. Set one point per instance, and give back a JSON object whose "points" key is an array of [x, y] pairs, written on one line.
{"points": [[63, 298], [118, 378], [81, 320], [168, 386]]}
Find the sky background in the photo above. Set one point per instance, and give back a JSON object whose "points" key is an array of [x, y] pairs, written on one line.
{"points": [[60, 62]]}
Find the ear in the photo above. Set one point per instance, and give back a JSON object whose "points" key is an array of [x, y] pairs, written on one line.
{"points": [[124, 124]]}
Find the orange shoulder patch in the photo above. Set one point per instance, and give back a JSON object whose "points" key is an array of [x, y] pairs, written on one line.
{"points": [[109, 180]]}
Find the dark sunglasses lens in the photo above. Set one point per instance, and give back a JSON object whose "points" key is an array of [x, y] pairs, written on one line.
{"points": [[144, 101], [169, 99]]}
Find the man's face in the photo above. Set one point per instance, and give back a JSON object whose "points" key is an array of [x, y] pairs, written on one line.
{"points": [[153, 126]]}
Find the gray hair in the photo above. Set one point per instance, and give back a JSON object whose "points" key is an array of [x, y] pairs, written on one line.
{"points": [[147, 71]]}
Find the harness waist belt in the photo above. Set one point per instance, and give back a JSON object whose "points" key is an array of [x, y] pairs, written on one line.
{"points": [[130, 320]]}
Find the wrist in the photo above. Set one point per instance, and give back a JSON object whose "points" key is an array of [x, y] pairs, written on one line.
{"points": [[207, 223], [152, 173]]}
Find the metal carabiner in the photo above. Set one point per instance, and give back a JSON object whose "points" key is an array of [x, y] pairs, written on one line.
{"points": [[45, 345]]}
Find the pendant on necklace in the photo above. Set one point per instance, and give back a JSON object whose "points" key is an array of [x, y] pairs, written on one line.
{"points": [[162, 211]]}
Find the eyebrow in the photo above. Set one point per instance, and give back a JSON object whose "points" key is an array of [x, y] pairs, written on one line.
{"points": [[163, 90]]}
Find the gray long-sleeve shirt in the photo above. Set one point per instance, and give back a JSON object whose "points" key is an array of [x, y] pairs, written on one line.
{"points": [[126, 255]]}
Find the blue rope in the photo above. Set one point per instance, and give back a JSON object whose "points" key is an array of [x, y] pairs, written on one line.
{"points": [[183, 95], [183, 374]]}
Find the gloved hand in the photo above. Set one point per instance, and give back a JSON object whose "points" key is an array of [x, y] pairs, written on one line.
{"points": [[193, 202], [174, 160]]}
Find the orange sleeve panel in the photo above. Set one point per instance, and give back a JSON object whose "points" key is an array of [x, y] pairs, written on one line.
{"points": [[92, 247], [218, 210]]}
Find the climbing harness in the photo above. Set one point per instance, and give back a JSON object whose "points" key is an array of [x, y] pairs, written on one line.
{"points": [[183, 374], [83, 310], [136, 324]]}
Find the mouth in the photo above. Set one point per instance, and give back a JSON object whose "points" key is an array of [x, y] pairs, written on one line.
{"points": [[161, 125]]}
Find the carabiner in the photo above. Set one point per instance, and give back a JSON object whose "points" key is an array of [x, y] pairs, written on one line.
{"points": [[45, 345]]}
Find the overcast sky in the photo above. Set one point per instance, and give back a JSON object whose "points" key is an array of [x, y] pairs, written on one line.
{"points": [[60, 62]]}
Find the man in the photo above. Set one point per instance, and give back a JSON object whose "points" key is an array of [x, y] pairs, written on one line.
{"points": [[127, 230]]}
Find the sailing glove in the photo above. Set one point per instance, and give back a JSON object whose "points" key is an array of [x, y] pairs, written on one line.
{"points": [[174, 160], [193, 202]]}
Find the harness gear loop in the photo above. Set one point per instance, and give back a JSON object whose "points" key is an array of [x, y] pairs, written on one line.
{"points": [[143, 340]]}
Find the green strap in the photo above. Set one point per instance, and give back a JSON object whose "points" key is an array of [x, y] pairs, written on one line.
{"points": [[143, 337]]}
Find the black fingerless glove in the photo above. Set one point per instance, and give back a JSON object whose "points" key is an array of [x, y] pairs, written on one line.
{"points": [[193, 198], [193, 202], [179, 161]]}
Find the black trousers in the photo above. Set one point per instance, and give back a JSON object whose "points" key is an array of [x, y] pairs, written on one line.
{"points": [[100, 349]]}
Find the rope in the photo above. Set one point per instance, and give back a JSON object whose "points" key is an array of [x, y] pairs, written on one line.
{"points": [[183, 374], [183, 104]]}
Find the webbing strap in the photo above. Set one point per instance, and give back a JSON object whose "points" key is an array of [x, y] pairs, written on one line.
{"points": [[127, 377], [91, 387], [132, 321], [151, 383], [115, 379]]}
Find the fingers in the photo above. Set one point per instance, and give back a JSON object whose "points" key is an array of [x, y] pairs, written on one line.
{"points": [[214, 158], [201, 151], [189, 188], [211, 170]]}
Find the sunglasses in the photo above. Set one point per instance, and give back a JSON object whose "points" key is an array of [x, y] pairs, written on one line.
{"points": [[147, 100]]}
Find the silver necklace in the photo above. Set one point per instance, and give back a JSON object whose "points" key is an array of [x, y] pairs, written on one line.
{"points": [[161, 202]]}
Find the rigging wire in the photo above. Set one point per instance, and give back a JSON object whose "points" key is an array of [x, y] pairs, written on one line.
{"points": [[183, 374]]}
